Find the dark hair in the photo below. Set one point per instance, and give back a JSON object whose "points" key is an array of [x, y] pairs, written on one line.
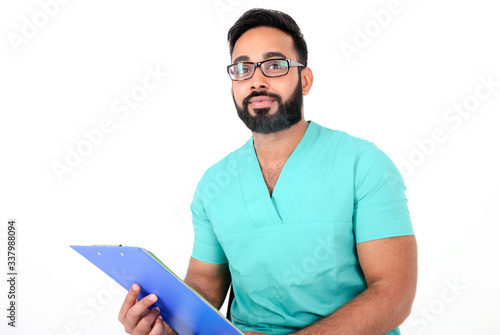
{"points": [[259, 17]]}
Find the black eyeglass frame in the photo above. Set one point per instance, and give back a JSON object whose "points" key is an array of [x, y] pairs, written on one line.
{"points": [[258, 64]]}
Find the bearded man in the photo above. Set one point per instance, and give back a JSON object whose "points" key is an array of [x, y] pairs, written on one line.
{"points": [[311, 226]]}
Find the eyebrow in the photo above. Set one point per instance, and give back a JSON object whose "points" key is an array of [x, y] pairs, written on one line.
{"points": [[267, 55]]}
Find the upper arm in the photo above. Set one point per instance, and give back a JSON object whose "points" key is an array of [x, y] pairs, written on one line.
{"points": [[208, 271], [210, 280], [391, 263]]}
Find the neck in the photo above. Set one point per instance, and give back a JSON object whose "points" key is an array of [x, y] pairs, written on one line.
{"points": [[277, 147]]}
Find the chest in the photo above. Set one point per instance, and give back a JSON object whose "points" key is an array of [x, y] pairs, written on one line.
{"points": [[271, 174], [295, 194]]}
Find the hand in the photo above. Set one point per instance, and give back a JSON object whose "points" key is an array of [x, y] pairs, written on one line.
{"points": [[138, 319]]}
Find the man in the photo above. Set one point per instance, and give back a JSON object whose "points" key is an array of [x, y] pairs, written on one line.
{"points": [[311, 226]]}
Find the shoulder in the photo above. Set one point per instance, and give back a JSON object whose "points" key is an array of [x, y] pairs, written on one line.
{"points": [[346, 144], [357, 156], [227, 167]]}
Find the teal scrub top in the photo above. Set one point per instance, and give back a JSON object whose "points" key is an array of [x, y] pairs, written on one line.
{"points": [[292, 255]]}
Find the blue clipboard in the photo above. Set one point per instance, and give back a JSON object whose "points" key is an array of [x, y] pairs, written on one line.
{"points": [[181, 307]]}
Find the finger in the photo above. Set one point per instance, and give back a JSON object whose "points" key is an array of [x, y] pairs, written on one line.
{"points": [[162, 328], [147, 322], [140, 309], [167, 329], [158, 327], [129, 301]]}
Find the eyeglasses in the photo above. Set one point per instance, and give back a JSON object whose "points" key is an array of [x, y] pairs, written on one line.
{"points": [[269, 68]]}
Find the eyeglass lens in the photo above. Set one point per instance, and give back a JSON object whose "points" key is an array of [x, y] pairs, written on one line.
{"points": [[270, 68]]}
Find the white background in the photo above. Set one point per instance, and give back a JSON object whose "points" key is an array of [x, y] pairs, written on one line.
{"points": [[134, 187]]}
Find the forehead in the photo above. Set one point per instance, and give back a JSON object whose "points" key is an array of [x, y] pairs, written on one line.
{"points": [[258, 43]]}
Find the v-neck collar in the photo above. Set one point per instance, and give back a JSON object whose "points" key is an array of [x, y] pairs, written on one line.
{"points": [[268, 210]]}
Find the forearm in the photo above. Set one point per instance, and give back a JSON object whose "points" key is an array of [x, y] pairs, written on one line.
{"points": [[211, 281], [377, 310], [213, 295]]}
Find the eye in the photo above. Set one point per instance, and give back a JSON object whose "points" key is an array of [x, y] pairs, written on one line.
{"points": [[242, 68], [277, 65]]}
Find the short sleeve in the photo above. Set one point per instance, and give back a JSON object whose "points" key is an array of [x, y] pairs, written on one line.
{"points": [[206, 246], [380, 203]]}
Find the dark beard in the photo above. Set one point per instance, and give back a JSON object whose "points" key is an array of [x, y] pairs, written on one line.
{"points": [[288, 113]]}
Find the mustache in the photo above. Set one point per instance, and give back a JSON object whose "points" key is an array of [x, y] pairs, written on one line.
{"points": [[262, 93]]}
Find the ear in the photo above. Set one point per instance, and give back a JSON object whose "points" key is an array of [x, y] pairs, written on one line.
{"points": [[307, 80]]}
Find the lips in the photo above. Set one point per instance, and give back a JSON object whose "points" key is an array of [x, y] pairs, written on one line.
{"points": [[261, 101]]}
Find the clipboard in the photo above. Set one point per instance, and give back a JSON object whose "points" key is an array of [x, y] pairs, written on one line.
{"points": [[186, 311]]}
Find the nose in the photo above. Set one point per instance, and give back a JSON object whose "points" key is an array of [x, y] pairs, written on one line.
{"points": [[258, 80]]}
